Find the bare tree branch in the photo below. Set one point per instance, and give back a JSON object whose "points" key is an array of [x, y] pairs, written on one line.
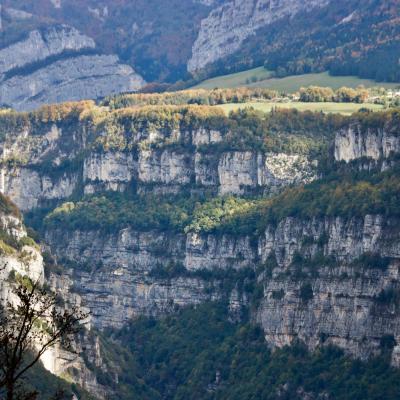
{"points": [[28, 329]]}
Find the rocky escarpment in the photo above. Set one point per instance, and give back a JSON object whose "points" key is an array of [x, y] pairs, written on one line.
{"points": [[227, 26], [335, 293], [338, 260], [70, 79], [156, 165], [12, 260], [58, 64], [20, 256], [355, 142], [325, 280], [124, 274], [118, 275], [39, 45], [315, 276]]}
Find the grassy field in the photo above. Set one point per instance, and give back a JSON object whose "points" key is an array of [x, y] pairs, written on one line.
{"points": [[289, 84], [235, 80], [341, 108]]}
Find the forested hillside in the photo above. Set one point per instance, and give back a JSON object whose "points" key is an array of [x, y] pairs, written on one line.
{"points": [[347, 38], [242, 255]]}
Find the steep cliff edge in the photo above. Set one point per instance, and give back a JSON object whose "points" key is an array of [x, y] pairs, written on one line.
{"points": [[61, 158], [147, 212], [21, 257], [332, 293], [348, 265], [329, 276], [355, 142]]}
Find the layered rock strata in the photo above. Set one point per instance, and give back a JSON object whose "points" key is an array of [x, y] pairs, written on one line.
{"points": [[162, 168]]}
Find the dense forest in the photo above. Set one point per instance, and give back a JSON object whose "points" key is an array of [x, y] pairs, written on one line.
{"points": [[286, 130], [199, 353], [238, 95], [193, 96]]}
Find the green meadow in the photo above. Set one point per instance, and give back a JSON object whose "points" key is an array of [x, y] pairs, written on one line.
{"points": [[289, 84], [341, 108]]}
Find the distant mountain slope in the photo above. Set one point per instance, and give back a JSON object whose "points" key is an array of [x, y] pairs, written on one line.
{"points": [[153, 36], [346, 37], [171, 40], [225, 29], [58, 63]]}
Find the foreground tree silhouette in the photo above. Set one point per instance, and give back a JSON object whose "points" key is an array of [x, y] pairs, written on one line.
{"points": [[30, 324]]}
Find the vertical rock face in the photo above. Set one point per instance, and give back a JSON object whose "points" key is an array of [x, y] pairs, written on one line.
{"points": [[279, 169], [206, 136], [342, 305], [70, 79], [343, 311], [218, 252], [53, 164], [325, 279], [206, 170], [51, 66], [108, 171], [352, 143], [27, 187], [27, 260], [165, 167], [240, 170], [120, 278], [227, 26], [237, 170], [32, 266], [345, 239]]}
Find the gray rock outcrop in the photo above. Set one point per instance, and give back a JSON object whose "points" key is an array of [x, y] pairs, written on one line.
{"points": [[120, 281], [344, 307], [51, 66], [40, 45], [161, 169], [324, 280], [352, 143]]}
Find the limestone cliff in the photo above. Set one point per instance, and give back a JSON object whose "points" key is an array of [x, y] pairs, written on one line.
{"points": [[115, 275], [154, 165], [19, 255], [344, 306], [354, 142], [39, 45], [325, 280]]}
